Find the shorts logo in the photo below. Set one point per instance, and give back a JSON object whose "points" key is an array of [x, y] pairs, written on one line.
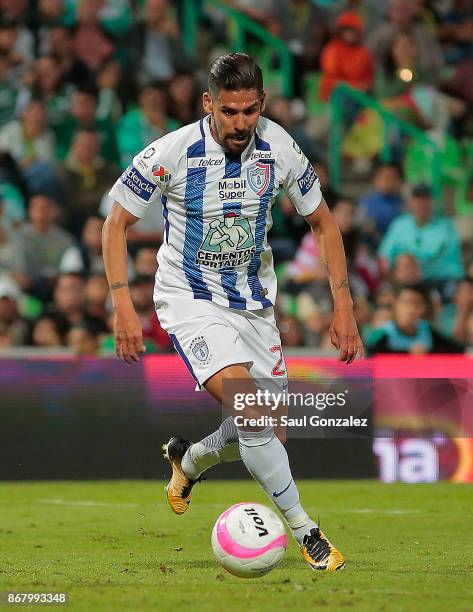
{"points": [[137, 183], [200, 349], [229, 243], [258, 177], [160, 172], [307, 180]]}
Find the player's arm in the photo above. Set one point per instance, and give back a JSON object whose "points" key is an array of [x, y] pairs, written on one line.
{"points": [[127, 326], [343, 329]]}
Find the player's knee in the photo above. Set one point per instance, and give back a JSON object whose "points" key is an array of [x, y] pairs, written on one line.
{"points": [[256, 436]]}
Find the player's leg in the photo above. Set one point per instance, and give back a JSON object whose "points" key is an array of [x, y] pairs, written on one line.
{"points": [[221, 446], [207, 342], [266, 459], [268, 369]]}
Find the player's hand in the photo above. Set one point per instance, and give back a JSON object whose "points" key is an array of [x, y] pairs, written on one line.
{"points": [[128, 335], [344, 335]]}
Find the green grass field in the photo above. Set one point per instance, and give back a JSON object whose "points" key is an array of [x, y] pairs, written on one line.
{"points": [[116, 546]]}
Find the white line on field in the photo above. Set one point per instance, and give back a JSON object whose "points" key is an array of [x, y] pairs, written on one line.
{"points": [[65, 502]]}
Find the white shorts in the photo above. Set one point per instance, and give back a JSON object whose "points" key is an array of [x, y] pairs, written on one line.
{"points": [[209, 337]]}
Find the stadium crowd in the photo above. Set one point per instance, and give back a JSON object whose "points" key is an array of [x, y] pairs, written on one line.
{"points": [[85, 84]]}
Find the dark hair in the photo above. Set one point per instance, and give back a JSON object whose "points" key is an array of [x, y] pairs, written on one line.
{"points": [[233, 72], [380, 165], [418, 288], [89, 89]]}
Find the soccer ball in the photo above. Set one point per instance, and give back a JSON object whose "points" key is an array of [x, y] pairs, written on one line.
{"points": [[249, 540]]}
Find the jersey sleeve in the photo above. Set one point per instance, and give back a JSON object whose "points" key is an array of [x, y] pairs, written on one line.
{"points": [[301, 183], [144, 181]]}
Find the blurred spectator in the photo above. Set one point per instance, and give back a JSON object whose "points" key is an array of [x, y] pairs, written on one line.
{"points": [[82, 338], [321, 170], [291, 331], [12, 255], [8, 90], [304, 26], [306, 265], [455, 32], [29, 140], [155, 51], [30, 143], [92, 45], [142, 125], [345, 59], [379, 207], [61, 46], [14, 9], [379, 317], [44, 243], [115, 16], [289, 228], [16, 39], [69, 304], [145, 262], [279, 110], [84, 117], [86, 258], [402, 19], [108, 80], [96, 296], [362, 267], [45, 83], [49, 14], [452, 319], [262, 11], [141, 289], [406, 270], [399, 68], [408, 332], [14, 211], [461, 88], [432, 240], [47, 332], [147, 230], [184, 99], [13, 328], [85, 177]]}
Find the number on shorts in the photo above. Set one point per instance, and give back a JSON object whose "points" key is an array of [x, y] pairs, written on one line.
{"points": [[276, 371]]}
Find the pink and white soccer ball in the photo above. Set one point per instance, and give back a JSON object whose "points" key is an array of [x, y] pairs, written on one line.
{"points": [[249, 540]]}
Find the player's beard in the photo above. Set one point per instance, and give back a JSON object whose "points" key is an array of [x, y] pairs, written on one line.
{"points": [[237, 146]]}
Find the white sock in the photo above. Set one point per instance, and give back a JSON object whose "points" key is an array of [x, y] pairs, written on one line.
{"points": [[266, 459], [219, 446]]}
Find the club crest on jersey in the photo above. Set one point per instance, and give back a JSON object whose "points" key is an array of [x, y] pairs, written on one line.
{"points": [[200, 349], [258, 175], [160, 172]]}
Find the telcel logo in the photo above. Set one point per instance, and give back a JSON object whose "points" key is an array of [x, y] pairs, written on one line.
{"points": [[261, 155]]}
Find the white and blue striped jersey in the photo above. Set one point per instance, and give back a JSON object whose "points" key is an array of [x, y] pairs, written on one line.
{"points": [[217, 210]]}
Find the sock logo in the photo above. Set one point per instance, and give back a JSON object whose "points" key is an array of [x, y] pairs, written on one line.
{"points": [[275, 494]]}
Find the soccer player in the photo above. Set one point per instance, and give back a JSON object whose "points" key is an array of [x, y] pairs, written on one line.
{"points": [[215, 287]]}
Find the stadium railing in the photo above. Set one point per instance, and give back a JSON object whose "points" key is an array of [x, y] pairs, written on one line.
{"points": [[241, 27], [435, 159]]}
